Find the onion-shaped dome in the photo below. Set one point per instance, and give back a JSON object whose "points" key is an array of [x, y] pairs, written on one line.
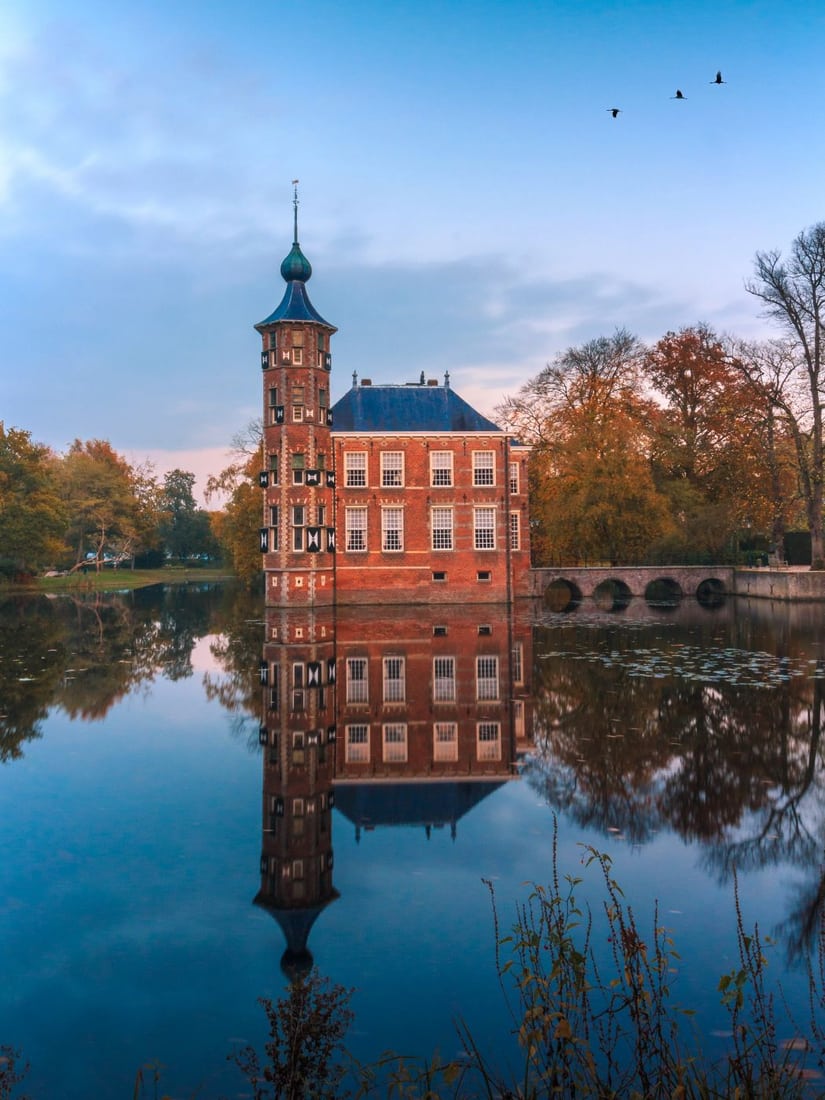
{"points": [[296, 267]]}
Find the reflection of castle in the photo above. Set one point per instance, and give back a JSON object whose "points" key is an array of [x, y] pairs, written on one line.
{"points": [[415, 714]]}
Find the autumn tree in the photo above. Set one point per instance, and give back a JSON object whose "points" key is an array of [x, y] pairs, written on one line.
{"points": [[32, 513], [237, 525], [592, 495], [107, 513], [792, 291], [705, 441]]}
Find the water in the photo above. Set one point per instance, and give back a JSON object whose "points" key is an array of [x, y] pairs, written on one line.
{"points": [[139, 925]]}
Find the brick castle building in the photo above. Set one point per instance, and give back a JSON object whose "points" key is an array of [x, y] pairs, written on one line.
{"points": [[394, 494]]}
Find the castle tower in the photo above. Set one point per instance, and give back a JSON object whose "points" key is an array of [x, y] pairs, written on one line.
{"points": [[297, 534]]}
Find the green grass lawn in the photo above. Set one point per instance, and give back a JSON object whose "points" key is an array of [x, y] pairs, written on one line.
{"points": [[109, 579]]}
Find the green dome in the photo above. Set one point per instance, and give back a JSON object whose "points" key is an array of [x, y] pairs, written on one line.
{"points": [[296, 267]]}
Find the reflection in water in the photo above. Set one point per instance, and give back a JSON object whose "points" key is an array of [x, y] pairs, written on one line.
{"points": [[82, 654], [414, 715], [708, 726], [693, 734]]}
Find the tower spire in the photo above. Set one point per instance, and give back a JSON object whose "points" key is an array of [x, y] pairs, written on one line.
{"points": [[295, 205]]}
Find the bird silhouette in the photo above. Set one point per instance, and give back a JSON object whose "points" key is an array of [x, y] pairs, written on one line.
{"points": [[615, 111], [718, 79], [678, 95]]}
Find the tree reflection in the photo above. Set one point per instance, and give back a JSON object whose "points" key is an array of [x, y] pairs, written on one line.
{"points": [[82, 654], [628, 741]]}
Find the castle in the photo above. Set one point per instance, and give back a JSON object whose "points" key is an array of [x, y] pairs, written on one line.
{"points": [[394, 494]]}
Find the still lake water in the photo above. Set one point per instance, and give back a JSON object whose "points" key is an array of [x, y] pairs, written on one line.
{"points": [[135, 925]]}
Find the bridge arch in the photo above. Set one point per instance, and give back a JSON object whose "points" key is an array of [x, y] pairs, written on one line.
{"points": [[612, 594], [562, 595], [711, 593], [663, 592]]}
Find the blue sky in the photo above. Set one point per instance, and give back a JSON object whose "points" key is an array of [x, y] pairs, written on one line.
{"points": [[466, 199]]}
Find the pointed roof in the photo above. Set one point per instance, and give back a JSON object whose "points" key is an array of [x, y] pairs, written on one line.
{"points": [[296, 271], [416, 407]]}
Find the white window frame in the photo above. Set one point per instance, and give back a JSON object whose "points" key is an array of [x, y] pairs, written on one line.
{"points": [[392, 469], [445, 742], [441, 469], [298, 512], [515, 531], [392, 529], [514, 478], [484, 528], [488, 740], [357, 743], [518, 663], [395, 679], [484, 468], [442, 531], [356, 530], [487, 677], [358, 683], [444, 690], [394, 741], [355, 469]]}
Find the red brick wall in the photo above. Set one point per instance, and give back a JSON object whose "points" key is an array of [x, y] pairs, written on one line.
{"points": [[477, 575]]}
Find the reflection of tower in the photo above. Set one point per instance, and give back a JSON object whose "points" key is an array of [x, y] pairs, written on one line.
{"points": [[297, 733], [297, 536]]}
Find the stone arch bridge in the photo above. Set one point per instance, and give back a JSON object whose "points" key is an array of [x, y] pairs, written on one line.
{"points": [[613, 587]]}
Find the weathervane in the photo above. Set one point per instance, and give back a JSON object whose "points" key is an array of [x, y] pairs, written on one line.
{"points": [[295, 204]]}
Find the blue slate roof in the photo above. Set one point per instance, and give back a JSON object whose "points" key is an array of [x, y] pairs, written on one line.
{"points": [[413, 408], [370, 805], [296, 306]]}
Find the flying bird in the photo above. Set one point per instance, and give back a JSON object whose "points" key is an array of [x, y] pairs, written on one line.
{"points": [[678, 94], [615, 111], [718, 79]]}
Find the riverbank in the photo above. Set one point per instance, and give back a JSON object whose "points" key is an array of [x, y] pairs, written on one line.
{"points": [[109, 580]]}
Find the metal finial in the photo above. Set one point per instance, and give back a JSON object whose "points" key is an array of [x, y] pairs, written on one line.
{"points": [[295, 205]]}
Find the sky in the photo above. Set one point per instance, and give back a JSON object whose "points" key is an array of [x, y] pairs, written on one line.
{"points": [[467, 200]]}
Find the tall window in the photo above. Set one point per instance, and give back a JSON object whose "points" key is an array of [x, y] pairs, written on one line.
{"points": [[392, 469], [357, 683], [394, 680], [514, 477], [488, 741], [358, 744], [441, 468], [484, 528], [445, 741], [395, 742], [273, 468], [356, 528], [392, 528], [515, 530], [442, 528], [273, 396], [443, 679], [298, 462], [298, 521], [486, 677], [484, 468], [273, 524], [518, 663], [355, 469]]}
